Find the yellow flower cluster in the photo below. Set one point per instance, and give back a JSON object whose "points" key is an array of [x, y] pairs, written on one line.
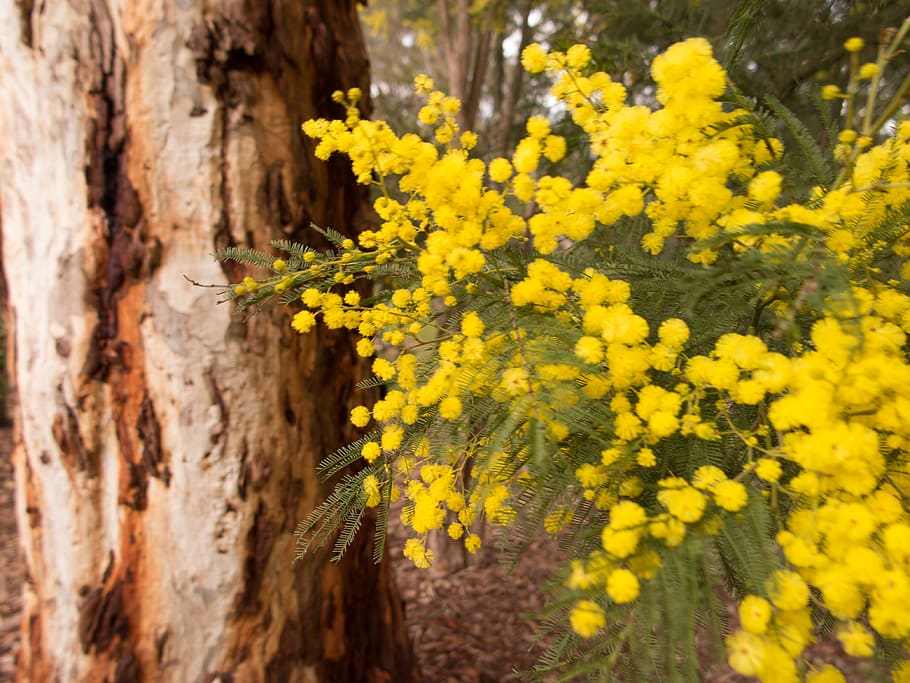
{"points": [[509, 365], [842, 422]]}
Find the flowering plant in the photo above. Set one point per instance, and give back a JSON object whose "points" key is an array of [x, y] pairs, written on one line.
{"points": [[692, 366]]}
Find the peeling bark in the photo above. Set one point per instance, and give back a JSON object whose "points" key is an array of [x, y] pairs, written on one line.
{"points": [[164, 451]]}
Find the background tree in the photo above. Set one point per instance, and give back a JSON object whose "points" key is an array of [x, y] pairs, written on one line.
{"points": [[470, 48], [159, 478]]}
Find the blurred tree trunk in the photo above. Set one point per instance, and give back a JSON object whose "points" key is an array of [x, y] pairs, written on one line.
{"points": [[512, 95], [466, 47], [164, 450]]}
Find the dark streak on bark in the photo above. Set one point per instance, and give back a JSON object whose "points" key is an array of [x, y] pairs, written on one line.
{"points": [[258, 548], [243, 477], [8, 318], [135, 495], [217, 397], [149, 431], [281, 666], [104, 627], [322, 50], [160, 645], [289, 498], [65, 429], [128, 669], [32, 505], [281, 215], [102, 617], [221, 46], [362, 661], [255, 470], [109, 188], [222, 49], [25, 8], [223, 236], [36, 668], [110, 567], [126, 415]]}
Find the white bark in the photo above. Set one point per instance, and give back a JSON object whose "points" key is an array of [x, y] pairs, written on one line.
{"points": [[165, 451]]}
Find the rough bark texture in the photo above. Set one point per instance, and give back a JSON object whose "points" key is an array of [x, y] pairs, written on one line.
{"points": [[164, 450]]}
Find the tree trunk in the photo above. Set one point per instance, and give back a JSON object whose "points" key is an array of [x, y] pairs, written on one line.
{"points": [[516, 81], [165, 450]]}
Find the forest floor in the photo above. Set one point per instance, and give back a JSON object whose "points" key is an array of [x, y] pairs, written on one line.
{"points": [[476, 625], [467, 626], [472, 625], [12, 569]]}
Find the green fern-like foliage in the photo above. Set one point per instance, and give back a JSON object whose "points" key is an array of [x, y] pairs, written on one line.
{"points": [[816, 167], [245, 256]]}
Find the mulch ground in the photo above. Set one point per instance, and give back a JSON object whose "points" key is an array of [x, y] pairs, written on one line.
{"points": [[12, 570], [467, 626]]}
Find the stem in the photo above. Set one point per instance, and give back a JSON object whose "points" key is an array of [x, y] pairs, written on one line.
{"points": [[879, 187], [898, 39], [892, 106], [886, 54], [852, 87], [873, 92]]}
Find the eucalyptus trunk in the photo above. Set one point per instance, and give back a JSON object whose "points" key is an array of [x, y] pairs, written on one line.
{"points": [[165, 450]]}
